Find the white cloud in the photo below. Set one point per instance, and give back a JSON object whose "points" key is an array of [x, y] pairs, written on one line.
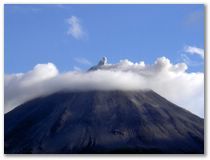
{"points": [[194, 50], [82, 60], [21, 87], [172, 81], [75, 28]]}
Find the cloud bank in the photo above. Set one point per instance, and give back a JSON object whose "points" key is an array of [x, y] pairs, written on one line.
{"points": [[171, 81]]}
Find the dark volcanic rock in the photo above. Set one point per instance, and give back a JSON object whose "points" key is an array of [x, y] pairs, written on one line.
{"points": [[102, 122]]}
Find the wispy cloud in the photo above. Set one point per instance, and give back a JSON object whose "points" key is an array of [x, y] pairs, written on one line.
{"points": [[194, 50], [76, 68], [82, 60], [186, 59], [23, 9], [195, 18], [75, 28], [60, 5]]}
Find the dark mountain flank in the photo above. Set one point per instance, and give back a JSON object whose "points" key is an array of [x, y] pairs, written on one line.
{"points": [[102, 122]]}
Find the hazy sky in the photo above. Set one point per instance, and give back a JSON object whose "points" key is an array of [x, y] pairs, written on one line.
{"points": [[76, 36]]}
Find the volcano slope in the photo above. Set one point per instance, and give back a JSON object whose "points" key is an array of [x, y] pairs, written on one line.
{"points": [[102, 122]]}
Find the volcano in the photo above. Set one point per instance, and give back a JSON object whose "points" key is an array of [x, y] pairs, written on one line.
{"points": [[102, 122]]}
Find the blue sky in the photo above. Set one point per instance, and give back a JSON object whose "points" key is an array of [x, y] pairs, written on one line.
{"points": [[77, 36]]}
